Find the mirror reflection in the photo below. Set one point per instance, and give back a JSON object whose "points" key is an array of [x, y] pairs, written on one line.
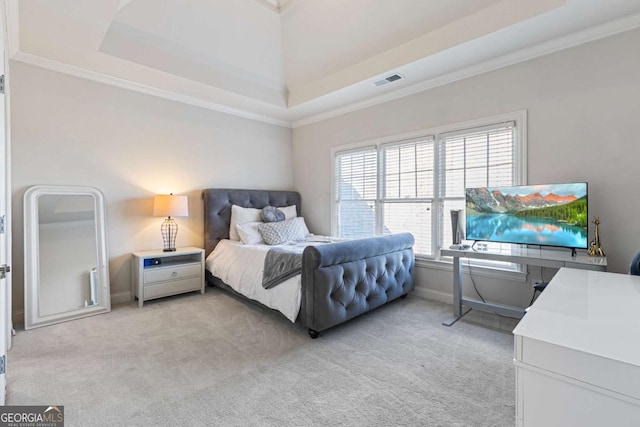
{"points": [[67, 253]]}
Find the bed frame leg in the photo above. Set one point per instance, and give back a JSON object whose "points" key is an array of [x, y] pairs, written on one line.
{"points": [[313, 334]]}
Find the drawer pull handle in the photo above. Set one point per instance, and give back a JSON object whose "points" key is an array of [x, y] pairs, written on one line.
{"points": [[174, 274]]}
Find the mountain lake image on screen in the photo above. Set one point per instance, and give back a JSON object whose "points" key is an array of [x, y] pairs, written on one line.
{"points": [[548, 215]]}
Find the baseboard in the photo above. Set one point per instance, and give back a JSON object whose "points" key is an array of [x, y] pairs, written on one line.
{"points": [[17, 317], [121, 297], [430, 294]]}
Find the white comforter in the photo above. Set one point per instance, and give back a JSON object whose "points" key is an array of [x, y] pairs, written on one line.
{"points": [[241, 267]]}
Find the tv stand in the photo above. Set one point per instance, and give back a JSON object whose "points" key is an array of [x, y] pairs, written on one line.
{"points": [[543, 257], [574, 253]]}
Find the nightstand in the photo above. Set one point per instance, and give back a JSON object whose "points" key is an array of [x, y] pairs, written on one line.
{"points": [[157, 274]]}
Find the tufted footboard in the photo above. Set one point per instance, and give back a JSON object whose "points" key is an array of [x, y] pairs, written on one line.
{"points": [[343, 280]]}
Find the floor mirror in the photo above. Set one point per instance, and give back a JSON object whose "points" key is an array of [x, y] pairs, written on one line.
{"points": [[66, 268]]}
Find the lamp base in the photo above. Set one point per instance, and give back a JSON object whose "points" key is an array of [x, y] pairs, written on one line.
{"points": [[169, 230]]}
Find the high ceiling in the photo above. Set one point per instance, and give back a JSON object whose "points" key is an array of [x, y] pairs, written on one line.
{"points": [[292, 62]]}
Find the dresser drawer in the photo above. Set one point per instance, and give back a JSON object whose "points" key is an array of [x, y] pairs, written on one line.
{"points": [[178, 272], [588, 368], [172, 288]]}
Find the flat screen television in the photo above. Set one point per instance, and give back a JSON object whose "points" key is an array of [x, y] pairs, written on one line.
{"points": [[549, 215]]}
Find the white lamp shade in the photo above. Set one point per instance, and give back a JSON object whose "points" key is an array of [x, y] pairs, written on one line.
{"points": [[170, 205]]}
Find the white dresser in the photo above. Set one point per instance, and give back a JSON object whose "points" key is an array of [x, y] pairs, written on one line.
{"points": [[577, 352]]}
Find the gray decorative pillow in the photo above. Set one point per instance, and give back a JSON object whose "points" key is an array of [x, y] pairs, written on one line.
{"points": [[276, 233], [272, 214]]}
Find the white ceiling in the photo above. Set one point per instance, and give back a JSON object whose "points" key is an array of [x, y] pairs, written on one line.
{"points": [[292, 62]]}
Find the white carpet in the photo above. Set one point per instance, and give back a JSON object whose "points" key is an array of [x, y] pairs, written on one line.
{"points": [[215, 360]]}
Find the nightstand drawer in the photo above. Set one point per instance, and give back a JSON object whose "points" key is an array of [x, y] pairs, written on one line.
{"points": [[172, 288], [178, 272]]}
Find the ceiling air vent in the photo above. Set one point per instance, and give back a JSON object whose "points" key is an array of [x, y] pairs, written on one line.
{"points": [[388, 79]]}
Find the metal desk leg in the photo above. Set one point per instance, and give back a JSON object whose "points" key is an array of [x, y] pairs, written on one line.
{"points": [[457, 294]]}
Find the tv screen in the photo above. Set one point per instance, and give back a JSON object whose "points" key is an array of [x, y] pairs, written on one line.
{"points": [[549, 215]]}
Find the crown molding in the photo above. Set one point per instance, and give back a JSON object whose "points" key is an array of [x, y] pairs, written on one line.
{"points": [[581, 37], [107, 79]]}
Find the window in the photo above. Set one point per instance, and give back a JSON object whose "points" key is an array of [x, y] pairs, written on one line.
{"points": [[356, 192], [412, 183], [481, 157], [406, 198]]}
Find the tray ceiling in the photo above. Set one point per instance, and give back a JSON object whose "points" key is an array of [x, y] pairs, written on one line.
{"points": [[296, 61]]}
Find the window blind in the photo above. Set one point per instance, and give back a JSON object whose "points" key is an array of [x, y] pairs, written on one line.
{"points": [[480, 157], [477, 159], [356, 180], [407, 175]]}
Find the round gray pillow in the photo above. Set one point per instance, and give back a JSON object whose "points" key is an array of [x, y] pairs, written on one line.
{"points": [[272, 214]]}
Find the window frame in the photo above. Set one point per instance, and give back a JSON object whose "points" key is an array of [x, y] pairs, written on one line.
{"points": [[519, 118]]}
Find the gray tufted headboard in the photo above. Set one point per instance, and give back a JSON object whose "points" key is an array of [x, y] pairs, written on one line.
{"points": [[217, 209]]}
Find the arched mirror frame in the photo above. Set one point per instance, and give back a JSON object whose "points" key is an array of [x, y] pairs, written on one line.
{"points": [[32, 256]]}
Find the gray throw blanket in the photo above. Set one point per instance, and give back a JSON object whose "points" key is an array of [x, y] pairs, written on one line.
{"points": [[282, 263]]}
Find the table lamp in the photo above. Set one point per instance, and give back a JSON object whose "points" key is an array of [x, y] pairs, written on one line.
{"points": [[169, 206]]}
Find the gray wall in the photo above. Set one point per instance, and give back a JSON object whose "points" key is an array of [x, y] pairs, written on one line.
{"points": [[70, 131], [583, 107]]}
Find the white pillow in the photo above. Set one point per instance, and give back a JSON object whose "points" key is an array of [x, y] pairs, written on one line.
{"points": [[276, 233], [289, 211], [240, 215], [249, 233]]}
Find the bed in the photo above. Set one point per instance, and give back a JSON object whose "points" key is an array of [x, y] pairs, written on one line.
{"points": [[338, 282]]}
